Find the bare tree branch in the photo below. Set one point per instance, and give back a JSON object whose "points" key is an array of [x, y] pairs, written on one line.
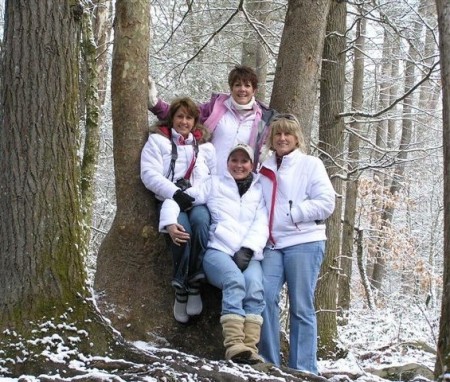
{"points": [[189, 3], [247, 17], [215, 33], [389, 107]]}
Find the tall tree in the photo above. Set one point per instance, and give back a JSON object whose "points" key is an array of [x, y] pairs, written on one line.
{"points": [[443, 348], [331, 144], [387, 215], [253, 50], [133, 265], [299, 57], [348, 230], [94, 79], [42, 274]]}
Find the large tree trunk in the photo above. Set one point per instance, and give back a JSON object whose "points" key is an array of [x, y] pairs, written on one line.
{"points": [[296, 75], [42, 274], [133, 266], [348, 234], [331, 136], [443, 348]]}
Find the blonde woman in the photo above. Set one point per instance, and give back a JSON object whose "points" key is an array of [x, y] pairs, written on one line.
{"points": [[299, 197]]}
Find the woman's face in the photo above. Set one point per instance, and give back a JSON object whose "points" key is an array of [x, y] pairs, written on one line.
{"points": [[239, 165], [183, 122], [242, 92], [284, 143]]}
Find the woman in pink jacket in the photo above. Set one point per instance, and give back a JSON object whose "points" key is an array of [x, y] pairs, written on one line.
{"points": [[232, 118]]}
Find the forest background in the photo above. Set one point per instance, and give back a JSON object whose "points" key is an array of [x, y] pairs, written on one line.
{"points": [[364, 80]]}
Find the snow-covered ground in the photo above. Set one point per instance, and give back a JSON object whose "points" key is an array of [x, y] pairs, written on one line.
{"points": [[381, 344]]}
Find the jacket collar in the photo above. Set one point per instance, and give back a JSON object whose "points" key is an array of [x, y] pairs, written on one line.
{"points": [[271, 162]]}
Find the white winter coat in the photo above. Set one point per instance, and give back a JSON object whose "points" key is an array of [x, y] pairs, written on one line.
{"points": [[155, 163], [235, 221], [304, 196]]}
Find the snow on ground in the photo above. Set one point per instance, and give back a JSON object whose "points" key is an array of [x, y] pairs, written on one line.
{"points": [[377, 340]]}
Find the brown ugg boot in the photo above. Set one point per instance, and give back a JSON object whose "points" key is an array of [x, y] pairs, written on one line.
{"points": [[252, 332], [233, 334]]}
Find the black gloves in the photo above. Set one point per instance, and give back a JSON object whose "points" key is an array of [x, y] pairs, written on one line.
{"points": [[183, 200], [242, 258]]}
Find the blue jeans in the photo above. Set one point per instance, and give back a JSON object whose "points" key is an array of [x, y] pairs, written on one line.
{"points": [[242, 292], [187, 258], [299, 267]]}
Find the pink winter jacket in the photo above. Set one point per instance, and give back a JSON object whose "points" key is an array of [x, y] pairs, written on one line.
{"points": [[211, 113]]}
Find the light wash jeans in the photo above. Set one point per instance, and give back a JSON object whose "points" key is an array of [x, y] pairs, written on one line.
{"points": [[299, 267], [242, 292], [187, 258]]}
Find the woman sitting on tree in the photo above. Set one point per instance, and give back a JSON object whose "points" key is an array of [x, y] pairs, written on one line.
{"points": [[232, 262], [174, 158]]}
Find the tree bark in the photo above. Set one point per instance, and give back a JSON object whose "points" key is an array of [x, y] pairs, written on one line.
{"points": [[351, 194], [331, 142], [94, 79], [443, 347], [296, 75], [133, 265], [41, 263], [42, 273]]}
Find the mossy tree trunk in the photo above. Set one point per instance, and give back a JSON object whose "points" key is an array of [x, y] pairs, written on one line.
{"points": [[42, 274], [95, 34]]}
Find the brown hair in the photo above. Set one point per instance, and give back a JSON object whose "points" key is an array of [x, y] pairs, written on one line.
{"points": [[188, 104], [242, 73], [287, 123], [200, 132]]}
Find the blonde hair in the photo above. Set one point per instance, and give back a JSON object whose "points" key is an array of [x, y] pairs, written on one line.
{"points": [[286, 123]]}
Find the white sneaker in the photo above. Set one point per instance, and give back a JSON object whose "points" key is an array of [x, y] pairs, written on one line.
{"points": [[194, 303], [179, 308]]}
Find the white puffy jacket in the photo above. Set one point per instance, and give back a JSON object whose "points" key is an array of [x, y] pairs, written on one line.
{"points": [[235, 221], [155, 163], [304, 198]]}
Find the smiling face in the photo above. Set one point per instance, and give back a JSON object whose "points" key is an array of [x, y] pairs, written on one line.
{"points": [[242, 92], [183, 122], [239, 165], [284, 142]]}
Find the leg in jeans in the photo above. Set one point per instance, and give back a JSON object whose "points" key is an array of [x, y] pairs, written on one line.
{"points": [[254, 296], [273, 280], [180, 256], [302, 266], [223, 273], [199, 220]]}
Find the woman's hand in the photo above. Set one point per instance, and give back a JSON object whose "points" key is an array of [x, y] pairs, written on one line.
{"points": [[177, 233]]}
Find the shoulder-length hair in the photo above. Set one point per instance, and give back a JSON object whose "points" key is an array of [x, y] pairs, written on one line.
{"points": [[286, 123], [200, 132], [188, 104]]}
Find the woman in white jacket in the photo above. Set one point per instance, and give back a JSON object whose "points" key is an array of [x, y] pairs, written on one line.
{"points": [[232, 262], [174, 158], [299, 197]]}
